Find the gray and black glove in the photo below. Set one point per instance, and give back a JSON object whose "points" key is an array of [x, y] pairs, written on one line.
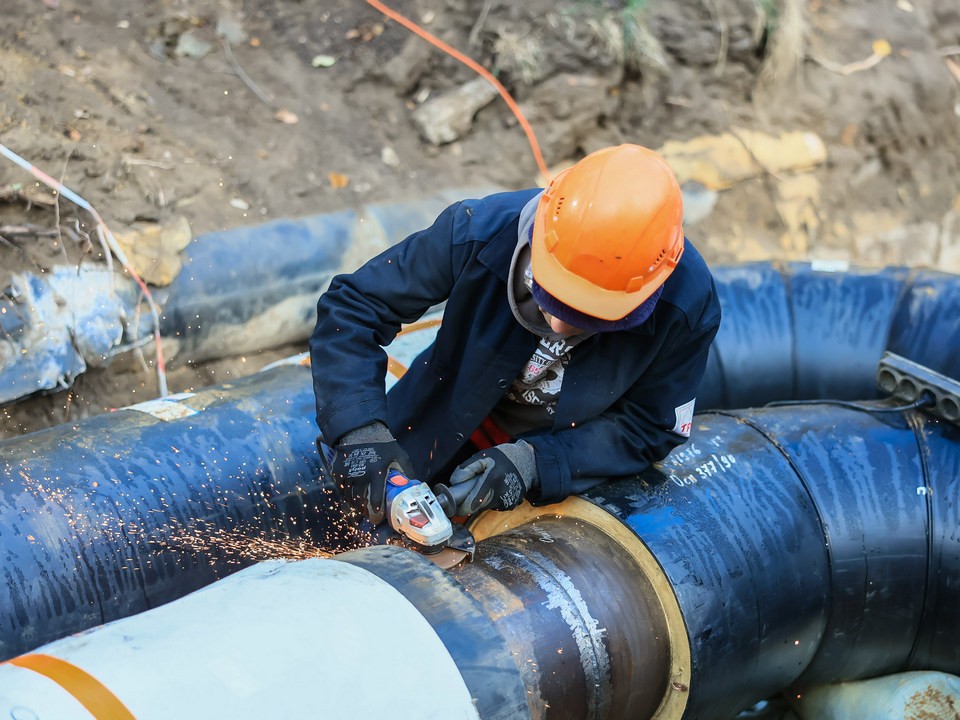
{"points": [[500, 478], [359, 468]]}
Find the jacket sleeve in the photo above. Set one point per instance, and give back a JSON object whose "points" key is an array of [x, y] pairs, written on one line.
{"points": [[363, 311], [637, 430]]}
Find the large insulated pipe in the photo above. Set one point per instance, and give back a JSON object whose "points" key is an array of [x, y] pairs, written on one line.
{"points": [[555, 619], [241, 290], [803, 331], [147, 474], [125, 511], [804, 545], [251, 288], [773, 551], [120, 513]]}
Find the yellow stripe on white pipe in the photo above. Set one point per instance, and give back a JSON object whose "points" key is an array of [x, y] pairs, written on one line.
{"points": [[80, 685], [314, 638], [410, 342]]}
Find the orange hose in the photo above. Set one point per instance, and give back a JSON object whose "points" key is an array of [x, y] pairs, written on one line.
{"points": [[479, 69]]}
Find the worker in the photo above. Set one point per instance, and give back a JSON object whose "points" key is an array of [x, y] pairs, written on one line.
{"points": [[576, 330]]}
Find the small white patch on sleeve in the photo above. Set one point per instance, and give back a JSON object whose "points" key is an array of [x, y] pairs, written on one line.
{"points": [[684, 418]]}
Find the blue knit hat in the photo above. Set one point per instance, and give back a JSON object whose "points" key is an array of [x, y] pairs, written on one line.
{"points": [[589, 323], [582, 321]]}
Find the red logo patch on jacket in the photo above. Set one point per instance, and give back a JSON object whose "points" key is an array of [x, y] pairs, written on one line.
{"points": [[684, 415]]}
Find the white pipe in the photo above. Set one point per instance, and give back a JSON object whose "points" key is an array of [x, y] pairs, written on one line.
{"points": [[314, 638]]}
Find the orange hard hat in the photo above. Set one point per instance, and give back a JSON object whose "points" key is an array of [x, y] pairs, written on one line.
{"points": [[608, 231]]}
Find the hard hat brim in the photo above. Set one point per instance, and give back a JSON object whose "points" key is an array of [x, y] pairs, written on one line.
{"points": [[583, 295]]}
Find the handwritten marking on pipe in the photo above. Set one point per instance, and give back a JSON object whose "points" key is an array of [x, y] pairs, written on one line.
{"points": [[714, 465], [685, 454], [86, 689]]}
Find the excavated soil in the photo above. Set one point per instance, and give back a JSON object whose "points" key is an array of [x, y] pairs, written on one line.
{"points": [[221, 114]]}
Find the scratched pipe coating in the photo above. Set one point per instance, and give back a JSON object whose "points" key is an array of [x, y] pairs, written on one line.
{"points": [[792, 546], [805, 545], [780, 552], [112, 516]]}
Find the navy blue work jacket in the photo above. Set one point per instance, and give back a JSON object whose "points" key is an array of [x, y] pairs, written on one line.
{"points": [[618, 408]]}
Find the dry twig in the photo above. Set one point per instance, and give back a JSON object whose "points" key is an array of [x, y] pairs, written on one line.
{"points": [[56, 214], [753, 155], [31, 230], [149, 163], [247, 80], [849, 68], [954, 67], [478, 25], [724, 38]]}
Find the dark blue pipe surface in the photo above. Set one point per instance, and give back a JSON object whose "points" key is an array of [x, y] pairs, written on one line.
{"points": [[90, 513], [232, 277], [234, 282], [806, 544], [481, 654], [101, 520], [796, 332]]}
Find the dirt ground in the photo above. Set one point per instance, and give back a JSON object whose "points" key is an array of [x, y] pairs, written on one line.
{"points": [[229, 113]]}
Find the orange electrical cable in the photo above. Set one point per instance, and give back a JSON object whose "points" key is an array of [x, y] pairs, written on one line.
{"points": [[479, 69]]}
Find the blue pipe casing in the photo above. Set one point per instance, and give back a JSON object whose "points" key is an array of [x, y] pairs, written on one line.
{"points": [[804, 545], [93, 516], [799, 332], [108, 517]]}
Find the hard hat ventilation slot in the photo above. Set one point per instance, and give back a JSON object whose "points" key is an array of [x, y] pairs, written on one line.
{"points": [[559, 205], [658, 259]]}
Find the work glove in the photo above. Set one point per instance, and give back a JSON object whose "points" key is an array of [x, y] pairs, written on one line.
{"points": [[500, 478], [362, 459]]}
